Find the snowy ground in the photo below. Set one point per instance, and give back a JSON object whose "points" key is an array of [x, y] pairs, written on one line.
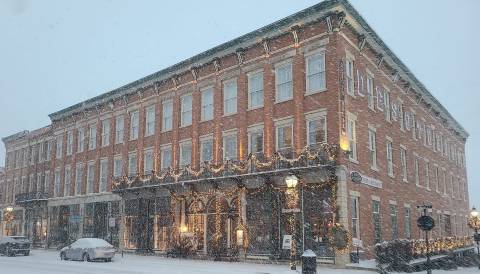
{"points": [[43, 262]]}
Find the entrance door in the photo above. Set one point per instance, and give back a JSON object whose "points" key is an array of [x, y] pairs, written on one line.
{"points": [[146, 217], [217, 232]]}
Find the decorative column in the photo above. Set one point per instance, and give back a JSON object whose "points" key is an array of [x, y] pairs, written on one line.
{"points": [[342, 209]]}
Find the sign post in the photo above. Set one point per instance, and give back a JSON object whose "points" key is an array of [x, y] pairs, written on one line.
{"points": [[426, 223]]}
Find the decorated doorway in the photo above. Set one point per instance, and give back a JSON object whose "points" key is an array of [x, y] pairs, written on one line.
{"points": [[217, 232]]}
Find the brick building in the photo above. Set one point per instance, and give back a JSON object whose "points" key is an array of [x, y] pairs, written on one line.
{"points": [[202, 149]]}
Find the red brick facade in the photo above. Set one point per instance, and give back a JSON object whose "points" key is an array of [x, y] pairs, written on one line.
{"points": [[340, 41]]}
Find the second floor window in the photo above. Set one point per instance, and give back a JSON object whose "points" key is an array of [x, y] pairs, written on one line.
{"points": [[416, 170], [58, 153], [352, 137], [117, 167], [255, 141], [166, 157], [134, 124], [206, 150], [119, 129], [255, 90], [103, 182], [105, 132], [283, 82], [317, 130], [230, 97], [403, 162], [78, 179], [68, 181], [92, 142], [370, 95], [284, 137], [132, 164], [90, 177], [230, 146], [186, 110], [148, 161], [185, 154], [389, 158]]}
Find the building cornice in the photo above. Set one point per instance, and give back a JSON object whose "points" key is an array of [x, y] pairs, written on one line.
{"points": [[322, 10]]}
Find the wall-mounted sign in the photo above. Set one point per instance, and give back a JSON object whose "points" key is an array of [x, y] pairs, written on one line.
{"points": [[359, 178], [111, 222], [290, 210], [287, 242]]}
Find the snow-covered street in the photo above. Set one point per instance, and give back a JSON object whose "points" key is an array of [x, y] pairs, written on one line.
{"points": [[48, 262]]}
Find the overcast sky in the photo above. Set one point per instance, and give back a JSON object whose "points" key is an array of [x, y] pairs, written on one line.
{"points": [[54, 54]]}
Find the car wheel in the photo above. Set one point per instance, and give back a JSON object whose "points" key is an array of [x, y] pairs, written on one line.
{"points": [[62, 256], [86, 257], [10, 252], [27, 253], [108, 259]]}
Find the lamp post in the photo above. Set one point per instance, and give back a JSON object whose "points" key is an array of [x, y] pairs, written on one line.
{"points": [[291, 182], [426, 223], [474, 223]]}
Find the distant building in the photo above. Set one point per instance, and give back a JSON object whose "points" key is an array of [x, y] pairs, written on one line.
{"points": [[223, 130]]}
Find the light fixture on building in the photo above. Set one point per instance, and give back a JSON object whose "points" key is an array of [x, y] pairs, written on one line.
{"points": [[344, 143], [183, 229], [474, 213], [9, 209], [240, 237], [291, 181]]}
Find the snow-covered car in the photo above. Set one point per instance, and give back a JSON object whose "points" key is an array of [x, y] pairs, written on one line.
{"points": [[13, 245], [88, 249]]}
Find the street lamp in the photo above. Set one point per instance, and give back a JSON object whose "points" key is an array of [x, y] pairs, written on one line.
{"points": [[291, 181], [344, 143], [474, 223], [9, 209]]}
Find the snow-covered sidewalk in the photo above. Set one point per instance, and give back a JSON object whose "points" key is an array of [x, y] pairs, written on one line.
{"points": [[48, 262]]}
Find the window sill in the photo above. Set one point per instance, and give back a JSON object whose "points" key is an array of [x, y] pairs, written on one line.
{"points": [[375, 168], [206, 120], [315, 91], [405, 180], [165, 130], [184, 126], [285, 100], [372, 109], [391, 176], [254, 108], [229, 114]]}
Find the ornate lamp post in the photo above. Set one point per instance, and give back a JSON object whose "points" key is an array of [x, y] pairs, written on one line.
{"points": [[474, 223], [426, 223], [291, 182]]}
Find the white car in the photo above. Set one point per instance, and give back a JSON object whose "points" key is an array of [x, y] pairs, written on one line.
{"points": [[88, 249]]}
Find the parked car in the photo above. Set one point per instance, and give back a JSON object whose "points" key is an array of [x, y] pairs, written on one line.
{"points": [[13, 245], [88, 249]]}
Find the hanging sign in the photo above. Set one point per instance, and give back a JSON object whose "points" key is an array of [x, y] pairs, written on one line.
{"points": [[111, 222], [287, 242], [426, 223]]}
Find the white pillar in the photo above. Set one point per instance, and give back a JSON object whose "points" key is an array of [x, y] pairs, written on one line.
{"points": [[342, 209]]}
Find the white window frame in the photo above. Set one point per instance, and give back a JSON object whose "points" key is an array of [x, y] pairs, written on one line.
{"points": [[103, 176], [389, 144], [427, 174], [287, 83], [92, 136], [105, 132], [283, 123], [163, 149], [315, 117], [134, 124], [81, 139], [207, 99], [416, 169], [349, 75], [182, 146], [119, 128], [117, 166], [67, 188], [203, 141], [371, 90], [167, 115], [57, 182], [69, 142], [150, 120], [372, 147], [226, 135], [321, 74], [355, 200], [386, 100], [252, 130], [352, 136], [230, 96], [186, 104], [132, 165], [146, 158], [79, 178], [254, 92], [90, 187], [59, 148]]}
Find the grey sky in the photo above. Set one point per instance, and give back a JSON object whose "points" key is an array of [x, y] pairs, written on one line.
{"points": [[54, 54]]}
